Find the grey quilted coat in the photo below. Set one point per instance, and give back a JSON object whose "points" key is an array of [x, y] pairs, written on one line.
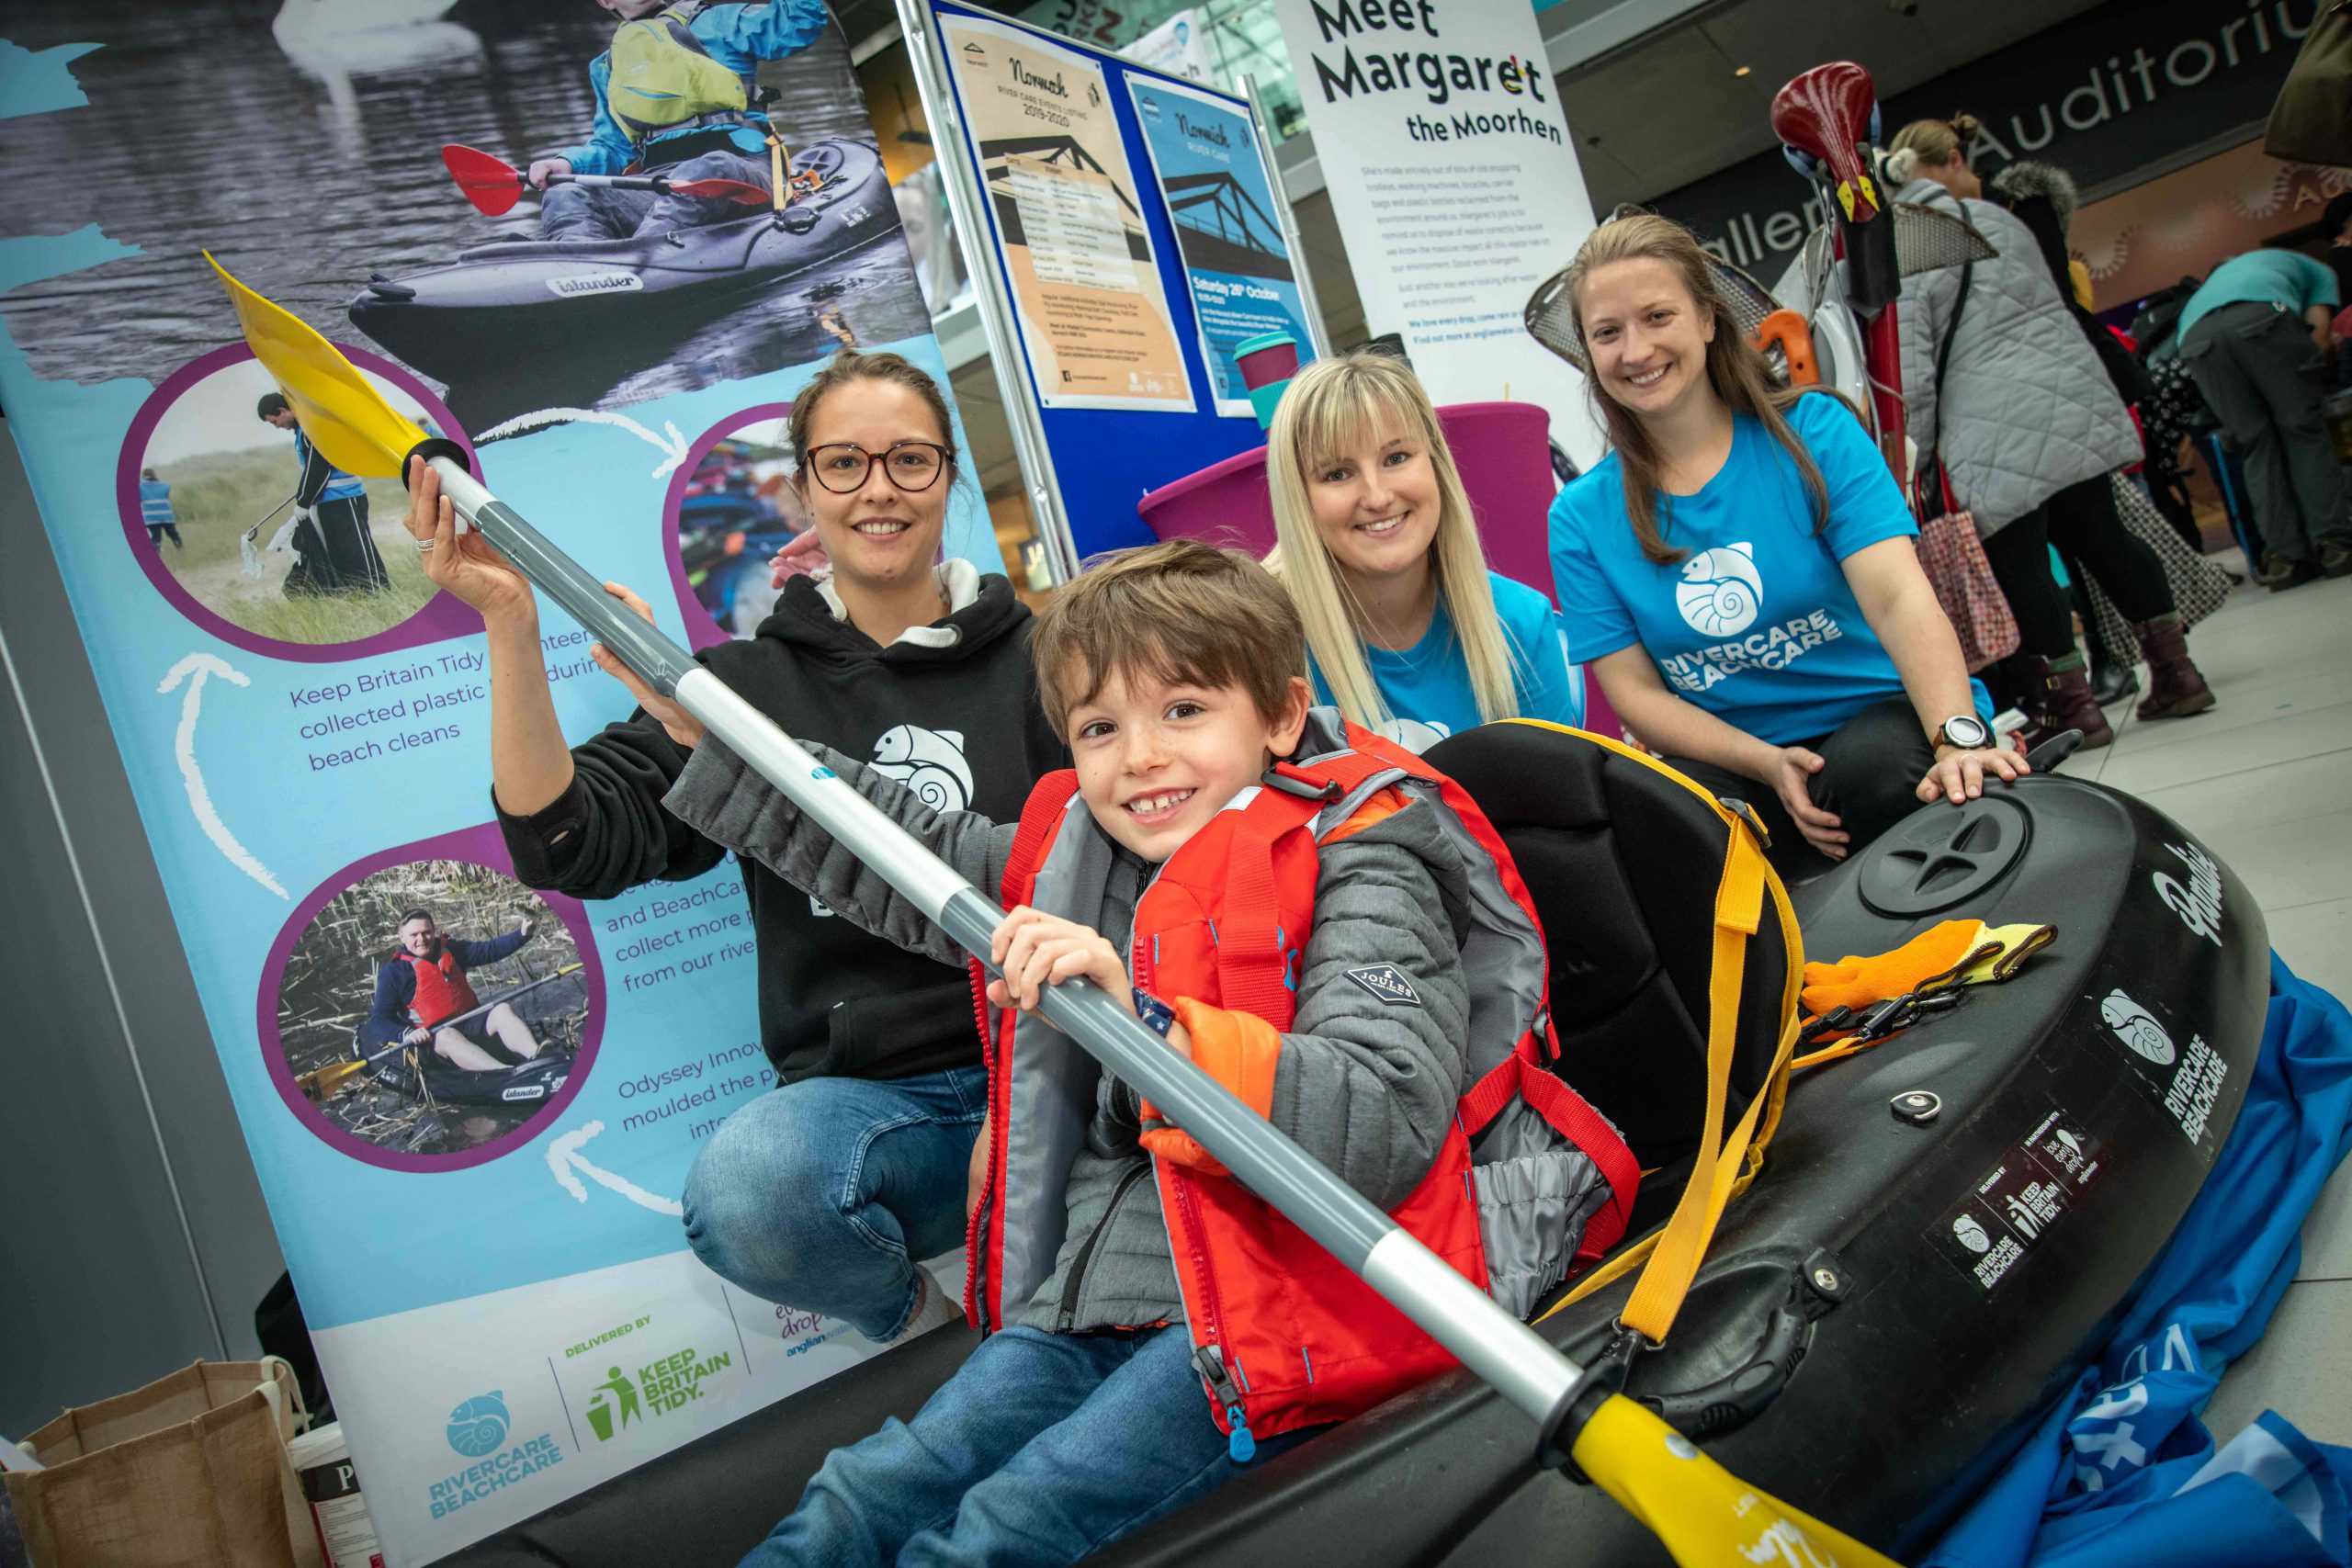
{"points": [[2026, 408]]}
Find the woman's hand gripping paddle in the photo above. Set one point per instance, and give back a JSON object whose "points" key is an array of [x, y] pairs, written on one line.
{"points": [[1703, 1516], [495, 186]]}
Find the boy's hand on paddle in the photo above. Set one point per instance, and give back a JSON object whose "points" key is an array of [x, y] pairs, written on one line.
{"points": [[1035, 950], [542, 170], [684, 728], [464, 565]]}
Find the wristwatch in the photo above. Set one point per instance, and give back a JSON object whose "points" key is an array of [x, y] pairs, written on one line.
{"points": [[1157, 1015], [1964, 730]]}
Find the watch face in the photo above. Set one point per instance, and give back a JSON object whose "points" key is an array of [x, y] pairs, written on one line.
{"points": [[1968, 732]]}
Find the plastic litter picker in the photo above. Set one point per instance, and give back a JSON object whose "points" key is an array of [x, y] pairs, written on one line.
{"points": [[1701, 1513]]}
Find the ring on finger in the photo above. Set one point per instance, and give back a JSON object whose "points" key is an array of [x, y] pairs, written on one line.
{"points": [[425, 544]]}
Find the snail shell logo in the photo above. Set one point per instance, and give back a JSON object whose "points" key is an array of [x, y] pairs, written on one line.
{"points": [[1721, 590], [1971, 1235], [478, 1424], [2137, 1027], [928, 762]]}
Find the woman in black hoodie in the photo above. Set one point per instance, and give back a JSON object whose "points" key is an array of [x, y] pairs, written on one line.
{"points": [[822, 1195]]}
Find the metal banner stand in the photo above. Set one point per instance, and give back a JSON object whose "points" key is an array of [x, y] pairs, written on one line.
{"points": [[968, 205], [1318, 337]]}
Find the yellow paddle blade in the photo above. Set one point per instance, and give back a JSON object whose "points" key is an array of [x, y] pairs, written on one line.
{"points": [[1705, 1516], [346, 418]]}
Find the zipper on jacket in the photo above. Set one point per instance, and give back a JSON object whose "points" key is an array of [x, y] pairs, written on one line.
{"points": [[976, 1257], [1208, 1358], [1209, 1361], [1069, 1314]]}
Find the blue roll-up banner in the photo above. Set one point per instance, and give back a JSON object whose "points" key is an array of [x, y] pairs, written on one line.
{"points": [[490, 1261], [1129, 370]]}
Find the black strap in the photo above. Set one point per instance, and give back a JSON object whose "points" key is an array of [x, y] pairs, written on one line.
{"points": [[1943, 357], [1951, 330]]}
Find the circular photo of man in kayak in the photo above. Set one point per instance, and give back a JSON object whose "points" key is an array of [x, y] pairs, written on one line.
{"points": [[236, 510], [738, 529], [433, 1007]]}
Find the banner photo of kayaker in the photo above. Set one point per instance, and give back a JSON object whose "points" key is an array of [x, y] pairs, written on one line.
{"points": [[737, 528], [1094, 312], [309, 737], [433, 1008], [1205, 152], [238, 518]]}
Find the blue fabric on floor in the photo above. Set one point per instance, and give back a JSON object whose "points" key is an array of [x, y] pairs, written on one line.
{"points": [[2122, 1473]]}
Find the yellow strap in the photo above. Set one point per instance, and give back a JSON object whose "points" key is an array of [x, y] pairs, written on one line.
{"points": [[1724, 1167], [1740, 899]]}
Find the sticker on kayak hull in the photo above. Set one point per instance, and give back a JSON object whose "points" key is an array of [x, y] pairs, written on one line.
{"points": [[2186, 1080], [2009, 1210], [578, 283], [2198, 902]]}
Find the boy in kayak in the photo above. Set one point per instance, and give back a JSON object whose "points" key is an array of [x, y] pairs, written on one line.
{"points": [[673, 96], [334, 551], [155, 510], [423, 986], [1120, 1383]]}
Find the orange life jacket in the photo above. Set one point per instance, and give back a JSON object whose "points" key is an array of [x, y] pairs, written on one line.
{"points": [[1284, 1334], [442, 989]]}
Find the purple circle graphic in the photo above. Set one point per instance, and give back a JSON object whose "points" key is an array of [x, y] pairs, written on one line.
{"points": [[441, 616], [483, 846], [701, 630]]}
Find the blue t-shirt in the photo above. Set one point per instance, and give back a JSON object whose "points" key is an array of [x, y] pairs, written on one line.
{"points": [[1757, 624], [1427, 688], [2264, 276]]}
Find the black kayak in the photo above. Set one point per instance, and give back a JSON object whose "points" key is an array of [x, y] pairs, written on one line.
{"points": [[537, 304], [420, 1074], [1943, 1231]]}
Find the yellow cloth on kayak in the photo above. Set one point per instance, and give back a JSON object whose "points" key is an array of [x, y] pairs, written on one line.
{"points": [[1858, 981]]}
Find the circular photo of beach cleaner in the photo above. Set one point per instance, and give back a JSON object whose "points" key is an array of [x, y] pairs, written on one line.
{"points": [[227, 501], [433, 1008], [737, 528]]}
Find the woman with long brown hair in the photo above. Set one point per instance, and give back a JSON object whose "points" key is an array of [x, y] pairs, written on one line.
{"points": [[1739, 573]]}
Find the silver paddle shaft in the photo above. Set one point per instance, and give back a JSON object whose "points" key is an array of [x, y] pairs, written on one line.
{"points": [[1502, 1350]]}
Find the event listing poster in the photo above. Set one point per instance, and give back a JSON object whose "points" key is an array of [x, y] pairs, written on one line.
{"points": [[1205, 150], [1093, 314]]}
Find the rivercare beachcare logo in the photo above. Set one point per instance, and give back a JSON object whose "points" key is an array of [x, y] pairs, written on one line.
{"points": [[657, 1388], [478, 1428], [1721, 590]]}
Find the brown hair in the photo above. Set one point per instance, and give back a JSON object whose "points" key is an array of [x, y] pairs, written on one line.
{"points": [[850, 364], [1179, 611], [1737, 371], [1931, 141]]}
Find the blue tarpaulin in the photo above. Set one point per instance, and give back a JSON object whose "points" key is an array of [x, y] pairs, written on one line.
{"points": [[2122, 1473]]}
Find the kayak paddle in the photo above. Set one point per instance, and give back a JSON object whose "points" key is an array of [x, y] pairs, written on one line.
{"points": [[1701, 1513], [495, 186], [320, 1082]]}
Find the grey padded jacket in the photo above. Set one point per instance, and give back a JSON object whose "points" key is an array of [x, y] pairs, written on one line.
{"points": [[2026, 408], [1366, 1088]]}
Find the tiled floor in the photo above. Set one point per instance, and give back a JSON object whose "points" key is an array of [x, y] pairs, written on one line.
{"points": [[2264, 778]]}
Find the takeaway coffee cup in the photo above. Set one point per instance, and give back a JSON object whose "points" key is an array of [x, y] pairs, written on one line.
{"points": [[1267, 363]]}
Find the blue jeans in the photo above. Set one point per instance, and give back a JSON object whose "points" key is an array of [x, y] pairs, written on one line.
{"points": [[818, 1195], [1041, 1448]]}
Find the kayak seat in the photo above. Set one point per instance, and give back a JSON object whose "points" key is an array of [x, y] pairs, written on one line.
{"points": [[1622, 857]]}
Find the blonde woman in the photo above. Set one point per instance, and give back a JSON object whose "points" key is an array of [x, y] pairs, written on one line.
{"points": [[1407, 632], [1739, 571]]}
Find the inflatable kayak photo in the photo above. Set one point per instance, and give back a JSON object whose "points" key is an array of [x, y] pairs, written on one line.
{"points": [[526, 323]]}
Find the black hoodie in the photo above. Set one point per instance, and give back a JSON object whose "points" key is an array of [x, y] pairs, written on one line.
{"points": [[959, 723]]}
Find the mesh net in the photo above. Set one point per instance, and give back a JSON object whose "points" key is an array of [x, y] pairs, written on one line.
{"points": [[1550, 318]]}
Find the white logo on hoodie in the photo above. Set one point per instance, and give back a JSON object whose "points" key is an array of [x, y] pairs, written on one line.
{"points": [[928, 762]]}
